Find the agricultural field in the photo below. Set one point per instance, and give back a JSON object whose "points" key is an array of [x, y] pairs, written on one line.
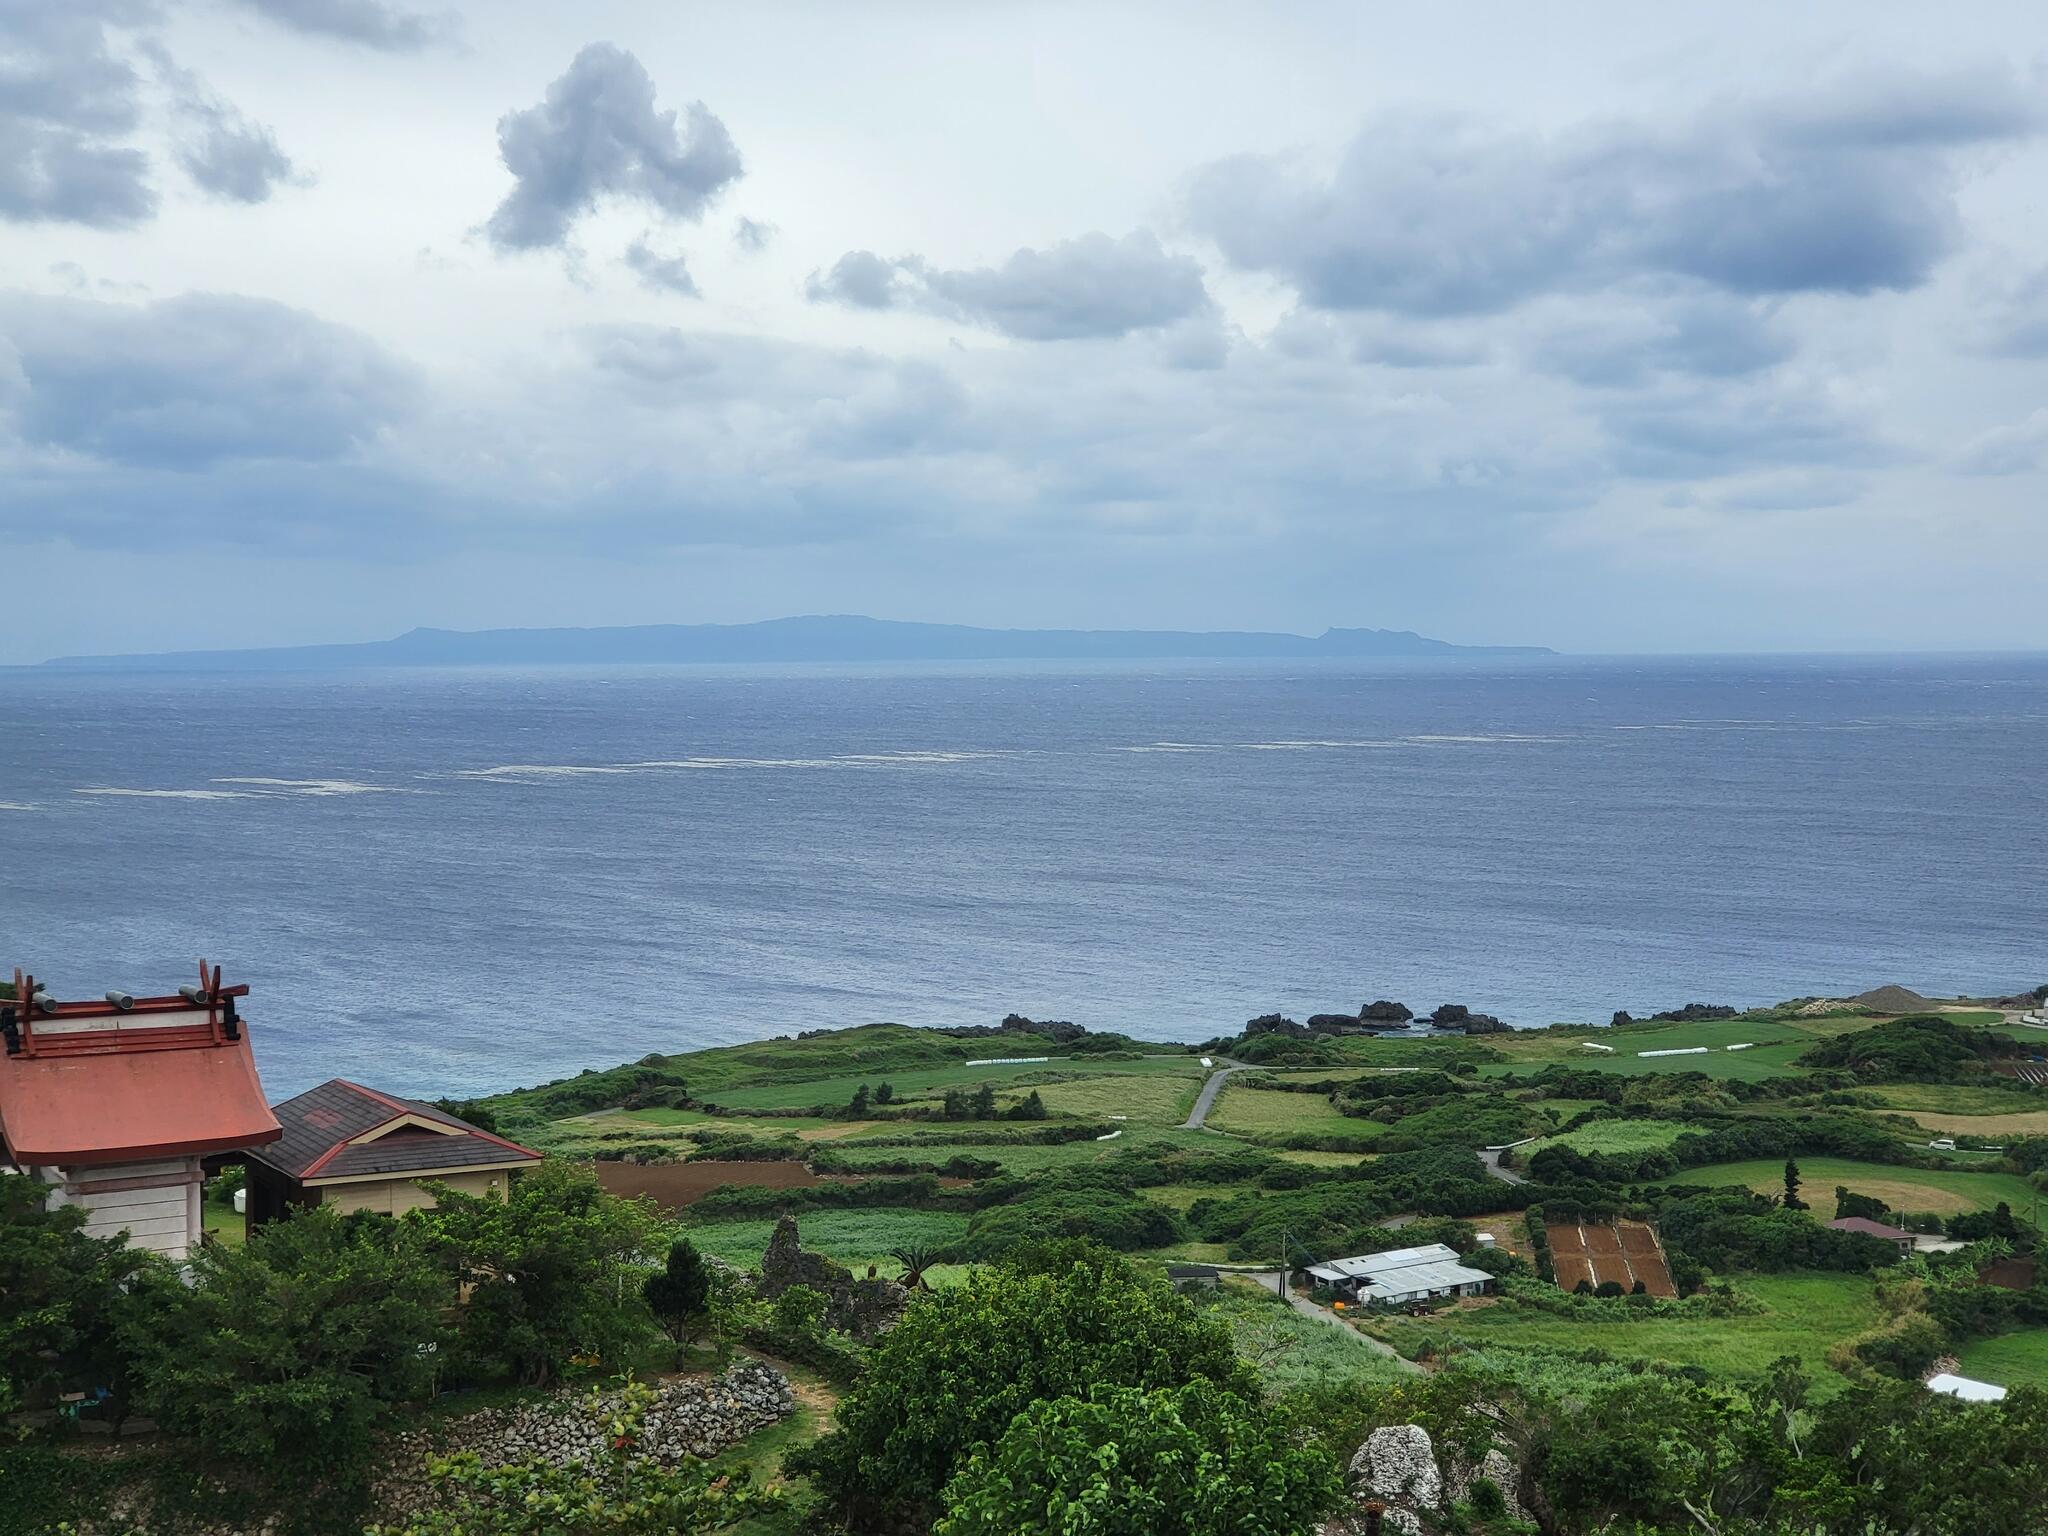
{"points": [[1804, 1315], [1595, 1253], [1611, 1136], [855, 1238], [1946, 1192], [1011, 1081], [1241, 1110], [2010, 1359], [1957, 1098], [1290, 1350]]}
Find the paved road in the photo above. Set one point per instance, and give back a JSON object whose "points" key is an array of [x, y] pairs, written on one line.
{"points": [[1207, 1097], [1491, 1158]]}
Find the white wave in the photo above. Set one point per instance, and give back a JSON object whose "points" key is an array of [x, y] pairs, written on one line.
{"points": [[1479, 740], [308, 786], [1310, 745], [14, 805], [516, 771], [1176, 746], [171, 794]]}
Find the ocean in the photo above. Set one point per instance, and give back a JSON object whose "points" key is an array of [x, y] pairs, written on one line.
{"points": [[446, 882]]}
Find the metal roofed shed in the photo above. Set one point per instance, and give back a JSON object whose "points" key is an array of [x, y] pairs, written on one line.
{"points": [[1402, 1275]]}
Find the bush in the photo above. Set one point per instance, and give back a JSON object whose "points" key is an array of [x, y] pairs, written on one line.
{"points": [[966, 1361], [284, 1354], [1189, 1461]]}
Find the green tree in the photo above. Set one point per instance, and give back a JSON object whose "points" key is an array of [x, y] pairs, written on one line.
{"points": [[858, 1105], [285, 1353], [1030, 1107], [1792, 1200], [885, 1093], [679, 1295], [62, 1295], [1189, 1461], [985, 1102], [624, 1493], [967, 1360], [554, 1269]]}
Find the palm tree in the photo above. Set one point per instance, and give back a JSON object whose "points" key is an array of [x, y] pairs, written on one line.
{"points": [[916, 1258]]}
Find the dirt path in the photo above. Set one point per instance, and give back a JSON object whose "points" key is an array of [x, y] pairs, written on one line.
{"points": [[1275, 1282]]}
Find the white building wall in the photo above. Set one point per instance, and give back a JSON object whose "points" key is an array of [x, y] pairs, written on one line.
{"points": [[157, 1204]]}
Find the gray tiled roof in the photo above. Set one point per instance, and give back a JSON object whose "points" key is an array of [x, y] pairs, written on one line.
{"points": [[325, 1118]]}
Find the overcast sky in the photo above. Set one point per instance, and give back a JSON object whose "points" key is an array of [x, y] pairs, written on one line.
{"points": [[1604, 327]]}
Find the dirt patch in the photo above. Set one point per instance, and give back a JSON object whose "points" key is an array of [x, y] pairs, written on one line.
{"points": [[1510, 1231], [1623, 1252]]}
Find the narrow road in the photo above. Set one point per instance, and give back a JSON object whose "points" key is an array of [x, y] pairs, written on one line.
{"points": [[1491, 1157], [1207, 1097]]}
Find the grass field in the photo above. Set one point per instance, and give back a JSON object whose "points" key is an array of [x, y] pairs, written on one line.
{"points": [[1946, 1192], [928, 1083], [1244, 1111], [2032, 1123], [1154, 1099], [2011, 1359], [1957, 1098], [1804, 1315], [1290, 1350], [1612, 1136], [854, 1238], [1178, 1197]]}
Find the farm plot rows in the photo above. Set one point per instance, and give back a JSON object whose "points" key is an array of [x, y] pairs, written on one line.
{"points": [[1623, 1252]]}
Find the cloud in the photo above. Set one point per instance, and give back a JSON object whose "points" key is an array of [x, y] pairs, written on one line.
{"points": [[2012, 320], [2017, 449], [596, 135], [752, 235], [1090, 286], [666, 274], [371, 23], [194, 383], [1614, 344], [67, 104], [227, 155], [1847, 189]]}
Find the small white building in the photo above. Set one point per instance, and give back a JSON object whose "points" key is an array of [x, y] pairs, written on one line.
{"points": [[1403, 1275]]}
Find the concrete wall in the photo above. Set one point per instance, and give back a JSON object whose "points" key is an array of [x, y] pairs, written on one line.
{"points": [[394, 1197]]}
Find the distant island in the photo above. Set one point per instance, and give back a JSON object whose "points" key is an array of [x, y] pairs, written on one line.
{"points": [[822, 638]]}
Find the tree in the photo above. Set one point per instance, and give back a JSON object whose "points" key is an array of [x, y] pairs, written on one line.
{"points": [[857, 1106], [1030, 1107], [967, 1360], [285, 1353], [885, 1093], [624, 1493], [985, 1102], [1849, 1203], [62, 1295], [549, 1268], [955, 1103], [679, 1296], [916, 1258], [1188, 1461], [1792, 1200]]}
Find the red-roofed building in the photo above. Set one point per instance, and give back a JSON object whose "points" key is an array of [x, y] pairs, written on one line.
{"points": [[1877, 1229], [356, 1149], [114, 1103]]}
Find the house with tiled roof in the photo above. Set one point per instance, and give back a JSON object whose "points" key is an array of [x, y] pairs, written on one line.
{"points": [[115, 1103], [353, 1148]]}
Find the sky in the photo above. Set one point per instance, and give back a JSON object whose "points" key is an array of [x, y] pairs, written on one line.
{"points": [[1614, 328]]}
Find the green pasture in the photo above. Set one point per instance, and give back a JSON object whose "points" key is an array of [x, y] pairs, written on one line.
{"points": [[1945, 1191], [2010, 1359], [1804, 1315], [1248, 1111], [1288, 1350], [792, 1091]]}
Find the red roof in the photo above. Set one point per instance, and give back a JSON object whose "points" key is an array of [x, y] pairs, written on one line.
{"points": [[342, 1130], [163, 1077], [1870, 1228]]}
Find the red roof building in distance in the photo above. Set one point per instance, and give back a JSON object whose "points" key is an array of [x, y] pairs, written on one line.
{"points": [[1877, 1229], [356, 1149], [114, 1103]]}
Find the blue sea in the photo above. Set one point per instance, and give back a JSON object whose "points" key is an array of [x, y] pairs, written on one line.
{"points": [[455, 881]]}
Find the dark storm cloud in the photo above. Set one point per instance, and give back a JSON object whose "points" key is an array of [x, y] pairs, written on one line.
{"points": [[195, 382], [597, 134], [666, 274], [1850, 189], [1092, 286], [371, 23], [67, 103]]}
